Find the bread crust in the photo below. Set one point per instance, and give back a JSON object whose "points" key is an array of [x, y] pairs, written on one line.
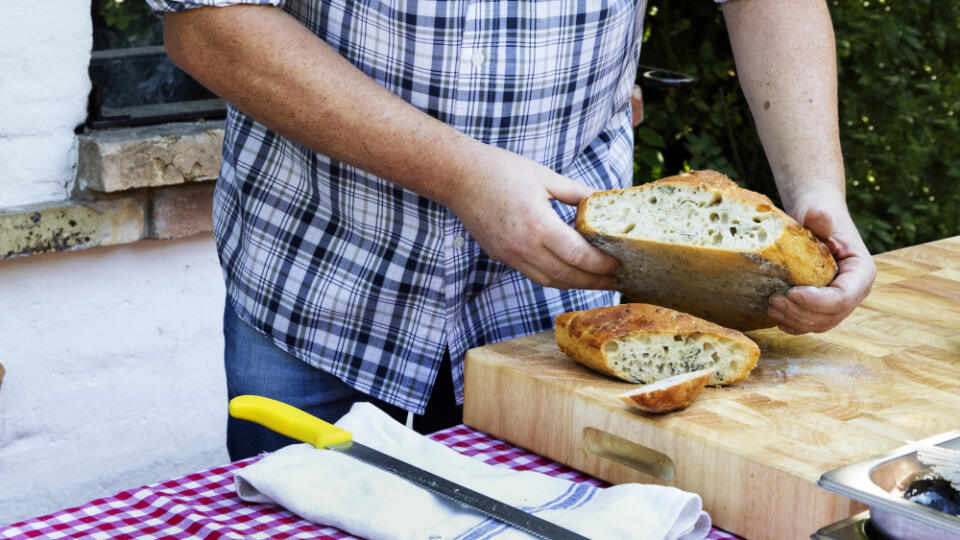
{"points": [[671, 398], [582, 335], [728, 287]]}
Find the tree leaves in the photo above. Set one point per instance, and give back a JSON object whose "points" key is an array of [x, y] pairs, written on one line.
{"points": [[896, 70], [125, 23]]}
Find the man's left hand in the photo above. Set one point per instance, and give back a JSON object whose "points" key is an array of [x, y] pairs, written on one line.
{"points": [[818, 309]]}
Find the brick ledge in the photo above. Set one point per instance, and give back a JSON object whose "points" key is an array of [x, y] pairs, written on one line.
{"points": [[159, 213]]}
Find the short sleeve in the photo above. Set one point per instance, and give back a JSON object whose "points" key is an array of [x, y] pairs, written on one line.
{"points": [[163, 6]]}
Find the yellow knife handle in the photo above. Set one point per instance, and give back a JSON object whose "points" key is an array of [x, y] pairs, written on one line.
{"points": [[288, 420]]}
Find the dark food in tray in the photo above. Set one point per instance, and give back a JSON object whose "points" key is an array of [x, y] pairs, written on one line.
{"points": [[930, 490]]}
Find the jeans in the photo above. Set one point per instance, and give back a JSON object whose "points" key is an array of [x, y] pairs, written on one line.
{"points": [[254, 365]]}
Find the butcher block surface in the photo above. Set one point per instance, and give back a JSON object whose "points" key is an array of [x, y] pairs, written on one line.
{"points": [[753, 451]]}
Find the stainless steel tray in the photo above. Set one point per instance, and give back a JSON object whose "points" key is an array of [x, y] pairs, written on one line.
{"points": [[856, 527], [877, 481]]}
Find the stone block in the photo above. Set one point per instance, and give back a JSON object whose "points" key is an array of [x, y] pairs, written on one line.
{"points": [[68, 225], [180, 211], [121, 159]]}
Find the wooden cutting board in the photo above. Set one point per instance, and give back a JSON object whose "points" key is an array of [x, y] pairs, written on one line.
{"points": [[754, 451]]}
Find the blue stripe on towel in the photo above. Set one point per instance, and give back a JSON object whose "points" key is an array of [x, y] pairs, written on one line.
{"points": [[574, 497]]}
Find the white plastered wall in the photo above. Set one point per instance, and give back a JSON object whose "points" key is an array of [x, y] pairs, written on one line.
{"points": [[44, 53], [113, 356], [114, 373]]}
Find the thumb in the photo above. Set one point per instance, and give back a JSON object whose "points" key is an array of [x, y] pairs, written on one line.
{"points": [[567, 190], [819, 222]]}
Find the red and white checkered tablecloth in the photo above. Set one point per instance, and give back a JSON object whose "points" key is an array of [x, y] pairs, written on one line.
{"points": [[204, 504]]}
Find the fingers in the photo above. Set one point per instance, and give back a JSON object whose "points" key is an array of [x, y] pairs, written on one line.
{"points": [[794, 318], [855, 276], [517, 226], [813, 309], [553, 254], [546, 269], [848, 289]]}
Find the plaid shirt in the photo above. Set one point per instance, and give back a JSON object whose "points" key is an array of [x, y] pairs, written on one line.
{"points": [[371, 282]]}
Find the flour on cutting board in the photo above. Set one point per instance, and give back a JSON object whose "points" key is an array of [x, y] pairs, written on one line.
{"points": [[807, 366]]}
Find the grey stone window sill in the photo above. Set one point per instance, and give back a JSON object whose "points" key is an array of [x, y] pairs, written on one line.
{"points": [[132, 183]]}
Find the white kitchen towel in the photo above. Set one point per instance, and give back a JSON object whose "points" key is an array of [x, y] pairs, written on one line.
{"points": [[330, 488]]}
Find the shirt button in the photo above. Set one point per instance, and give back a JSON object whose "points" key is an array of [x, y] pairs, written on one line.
{"points": [[477, 58], [458, 242]]}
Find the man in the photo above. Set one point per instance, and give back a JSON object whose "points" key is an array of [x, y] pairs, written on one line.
{"points": [[388, 197]]}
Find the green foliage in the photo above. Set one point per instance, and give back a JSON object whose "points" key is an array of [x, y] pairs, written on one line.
{"points": [[899, 92], [124, 23]]}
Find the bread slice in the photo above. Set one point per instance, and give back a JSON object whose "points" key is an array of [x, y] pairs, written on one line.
{"points": [[642, 343], [699, 244], [670, 394]]}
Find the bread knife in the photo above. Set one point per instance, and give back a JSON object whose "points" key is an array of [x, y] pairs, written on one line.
{"points": [[295, 423]]}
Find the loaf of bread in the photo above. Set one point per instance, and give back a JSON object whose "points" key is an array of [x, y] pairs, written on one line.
{"points": [[699, 244], [670, 394], [642, 343]]}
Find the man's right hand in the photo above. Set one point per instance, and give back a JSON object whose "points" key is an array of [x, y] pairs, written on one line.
{"points": [[505, 205]]}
